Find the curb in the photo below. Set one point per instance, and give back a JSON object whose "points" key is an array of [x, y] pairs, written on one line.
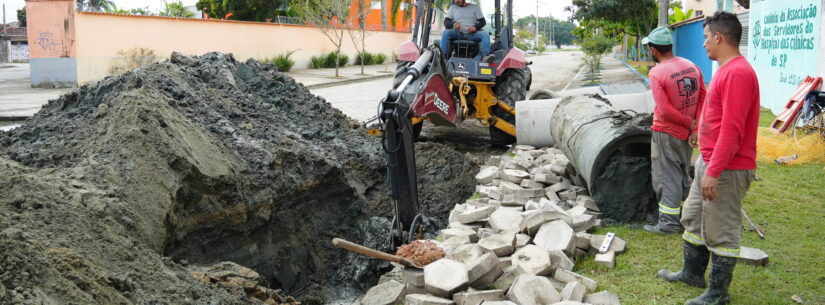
{"points": [[647, 82], [348, 81]]}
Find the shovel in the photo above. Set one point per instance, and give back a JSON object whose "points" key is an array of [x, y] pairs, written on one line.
{"points": [[373, 253]]}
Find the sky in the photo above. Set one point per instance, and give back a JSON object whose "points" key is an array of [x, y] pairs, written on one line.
{"points": [[521, 8]]}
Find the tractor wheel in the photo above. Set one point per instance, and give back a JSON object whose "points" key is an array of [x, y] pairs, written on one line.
{"points": [[510, 87], [400, 73]]}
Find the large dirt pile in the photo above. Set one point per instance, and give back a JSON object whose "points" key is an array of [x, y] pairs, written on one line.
{"points": [[109, 192]]}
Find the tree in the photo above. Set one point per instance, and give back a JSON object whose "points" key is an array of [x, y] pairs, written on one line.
{"points": [[176, 9], [560, 31], [359, 33], [618, 17], [247, 10], [94, 5], [21, 16], [679, 16], [328, 16]]}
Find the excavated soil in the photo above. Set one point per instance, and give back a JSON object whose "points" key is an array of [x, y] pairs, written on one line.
{"points": [[114, 192]]}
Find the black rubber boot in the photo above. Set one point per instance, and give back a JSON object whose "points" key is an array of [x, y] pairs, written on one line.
{"points": [[721, 274], [693, 273]]}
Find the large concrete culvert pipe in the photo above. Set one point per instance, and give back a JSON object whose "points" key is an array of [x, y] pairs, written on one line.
{"points": [[609, 149]]}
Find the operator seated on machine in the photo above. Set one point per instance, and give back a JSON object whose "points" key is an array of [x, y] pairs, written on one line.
{"points": [[465, 21]]}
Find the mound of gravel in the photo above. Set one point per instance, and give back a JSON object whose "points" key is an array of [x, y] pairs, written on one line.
{"points": [[112, 191]]}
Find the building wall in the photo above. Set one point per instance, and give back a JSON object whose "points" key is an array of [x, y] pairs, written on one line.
{"points": [[687, 42], [52, 39], [101, 36], [19, 51]]}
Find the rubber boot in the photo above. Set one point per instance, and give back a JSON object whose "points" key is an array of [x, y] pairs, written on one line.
{"points": [[693, 273], [667, 224], [721, 274]]}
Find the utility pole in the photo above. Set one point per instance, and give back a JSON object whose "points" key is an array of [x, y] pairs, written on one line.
{"points": [[663, 8]]}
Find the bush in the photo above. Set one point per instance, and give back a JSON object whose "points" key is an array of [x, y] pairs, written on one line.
{"points": [[379, 59], [367, 56], [394, 56], [342, 60], [282, 61], [318, 62]]}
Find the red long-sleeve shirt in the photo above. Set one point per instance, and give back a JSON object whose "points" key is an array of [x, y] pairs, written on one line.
{"points": [[730, 118], [679, 92]]}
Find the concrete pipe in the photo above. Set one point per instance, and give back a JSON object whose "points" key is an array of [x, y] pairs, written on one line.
{"points": [[609, 149], [533, 123]]}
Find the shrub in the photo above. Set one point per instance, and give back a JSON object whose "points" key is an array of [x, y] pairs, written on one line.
{"points": [[283, 62], [343, 59], [133, 58], [367, 56], [318, 62], [327, 60], [379, 58]]}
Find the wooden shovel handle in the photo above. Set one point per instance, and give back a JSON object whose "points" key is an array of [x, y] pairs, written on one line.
{"points": [[366, 251]]}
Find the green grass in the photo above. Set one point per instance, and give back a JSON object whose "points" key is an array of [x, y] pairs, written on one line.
{"points": [[786, 203]]}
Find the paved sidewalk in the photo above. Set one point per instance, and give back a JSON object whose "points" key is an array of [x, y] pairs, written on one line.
{"points": [[320, 78], [17, 98], [614, 75]]}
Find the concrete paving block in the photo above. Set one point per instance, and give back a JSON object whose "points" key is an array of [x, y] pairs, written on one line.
{"points": [[502, 244], [531, 205], [533, 260], [412, 289], [561, 261], [559, 170], [531, 192], [514, 200], [505, 281], [459, 225], [514, 164], [468, 253], [580, 190], [568, 195], [533, 220], [494, 192], [414, 276], [577, 210], [481, 266], [602, 298], [618, 245], [582, 223], [496, 182], [579, 253], [526, 156], [533, 290], [551, 194], [473, 214], [386, 293], [493, 161], [505, 262], [505, 220], [536, 152], [499, 303], [425, 299], [532, 184], [477, 297], [524, 163], [573, 291], [486, 175], [556, 235], [583, 240], [484, 232], [567, 276], [484, 191], [487, 280], [548, 179], [525, 147], [587, 202], [454, 242], [564, 184], [522, 240], [448, 233], [508, 187], [569, 303], [753, 256], [493, 202], [445, 277]]}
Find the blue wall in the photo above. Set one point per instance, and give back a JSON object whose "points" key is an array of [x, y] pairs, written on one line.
{"points": [[687, 43], [53, 72]]}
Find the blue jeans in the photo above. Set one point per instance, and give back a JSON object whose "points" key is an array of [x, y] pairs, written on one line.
{"points": [[478, 36]]}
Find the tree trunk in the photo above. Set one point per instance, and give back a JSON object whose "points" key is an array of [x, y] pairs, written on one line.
{"points": [[384, 4], [663, 8]]}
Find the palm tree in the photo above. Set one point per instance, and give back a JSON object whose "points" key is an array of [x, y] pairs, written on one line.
{"points": [[176, 9], [94, 5]]}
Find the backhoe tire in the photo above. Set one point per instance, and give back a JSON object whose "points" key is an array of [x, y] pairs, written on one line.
{"points": [[510, 87]]}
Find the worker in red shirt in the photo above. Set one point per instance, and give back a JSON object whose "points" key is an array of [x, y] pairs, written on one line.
{"points": [[712, 214], [679, 92]]}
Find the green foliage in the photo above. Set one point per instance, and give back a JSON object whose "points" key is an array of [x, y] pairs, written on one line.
{"points": [[247, 10], [175, 9], [21, 16], [140, 12], [378, 59], [679, 15], [594, 46], [282, 61], [96, 5], [328, 60], [561, 31], [615, 17]]}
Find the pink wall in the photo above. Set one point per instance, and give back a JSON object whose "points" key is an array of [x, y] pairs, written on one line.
{"points": [[51, 28]]}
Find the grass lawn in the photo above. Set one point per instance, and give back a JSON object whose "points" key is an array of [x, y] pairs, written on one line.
{"points": [[787, 202]]}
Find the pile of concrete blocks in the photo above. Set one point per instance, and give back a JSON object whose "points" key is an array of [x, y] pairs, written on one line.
{"points": [[516, 242]]}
